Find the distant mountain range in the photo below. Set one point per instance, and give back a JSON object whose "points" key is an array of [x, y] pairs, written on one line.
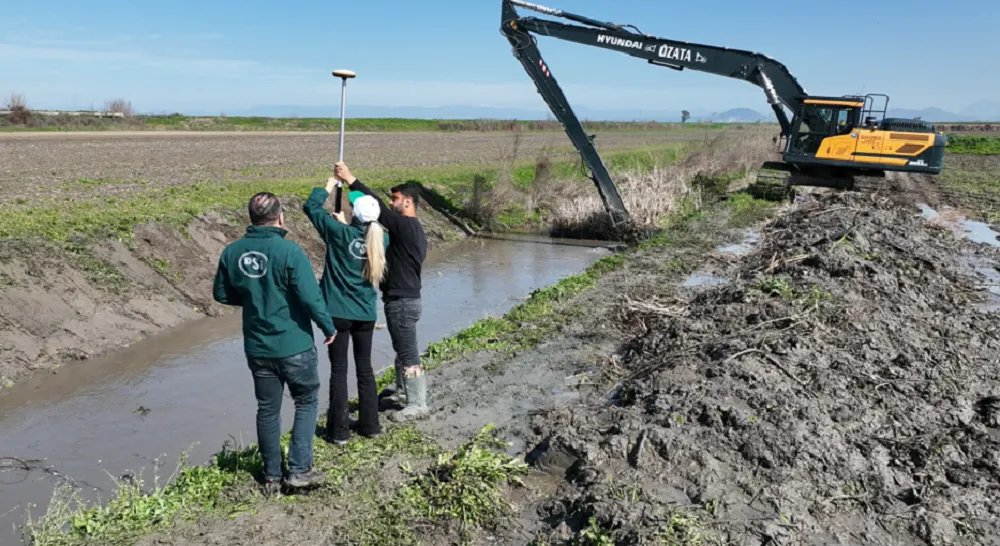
{"points": [[980, 111]]}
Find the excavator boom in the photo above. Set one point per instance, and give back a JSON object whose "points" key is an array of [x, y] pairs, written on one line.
{"points": [[780, 86], [826, 135], [526, 51]]}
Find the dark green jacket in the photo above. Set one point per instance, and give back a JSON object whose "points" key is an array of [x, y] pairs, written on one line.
{"points": [[272, 280], [348, 295]]}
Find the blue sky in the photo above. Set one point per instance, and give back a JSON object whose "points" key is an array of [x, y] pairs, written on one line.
{"points": [[226, 55]]}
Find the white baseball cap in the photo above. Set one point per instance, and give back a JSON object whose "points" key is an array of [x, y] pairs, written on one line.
{"points": [[366, 209]]}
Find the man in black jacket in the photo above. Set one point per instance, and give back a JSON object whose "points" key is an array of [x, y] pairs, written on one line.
{"points": [[401, 287]]}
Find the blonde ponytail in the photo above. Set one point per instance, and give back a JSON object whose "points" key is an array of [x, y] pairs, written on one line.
{"points": [[375, 264]]}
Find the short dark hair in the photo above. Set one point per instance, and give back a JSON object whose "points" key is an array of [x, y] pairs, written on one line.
{"points": [[409, 189], [264, 208]]}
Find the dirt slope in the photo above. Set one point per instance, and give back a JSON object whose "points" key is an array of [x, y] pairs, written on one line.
{"points": [[58, 305]]}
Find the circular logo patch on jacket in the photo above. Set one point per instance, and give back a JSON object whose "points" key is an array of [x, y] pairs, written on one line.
{"points": [[253, 264], [357, 249]]}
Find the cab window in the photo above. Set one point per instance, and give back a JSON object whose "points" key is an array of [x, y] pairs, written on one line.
{"points": [[845, 120], [817, 122]]}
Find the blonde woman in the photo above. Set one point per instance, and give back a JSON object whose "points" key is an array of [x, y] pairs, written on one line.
{"points": [[354, 268]]}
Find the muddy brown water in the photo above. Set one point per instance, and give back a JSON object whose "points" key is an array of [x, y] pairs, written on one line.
{"points": [[189, 388]]}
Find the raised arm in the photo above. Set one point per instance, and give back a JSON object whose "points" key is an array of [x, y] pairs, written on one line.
{"points": [[313, 207], [387, 217]]}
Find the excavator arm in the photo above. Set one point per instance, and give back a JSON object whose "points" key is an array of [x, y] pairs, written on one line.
{"points": [[779, 85]]}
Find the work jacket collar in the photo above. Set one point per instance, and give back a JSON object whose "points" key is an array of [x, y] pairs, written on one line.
{"points": [[263, 232]]}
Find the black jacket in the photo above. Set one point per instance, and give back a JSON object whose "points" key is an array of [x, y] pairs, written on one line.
{"points": [[406, 253]]}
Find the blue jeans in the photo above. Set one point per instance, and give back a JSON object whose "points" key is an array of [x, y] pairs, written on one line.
{"points": [[270, 375]]}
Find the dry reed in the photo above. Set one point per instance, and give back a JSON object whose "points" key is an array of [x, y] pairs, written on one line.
{"points": [[487, 200], [711, 167]]}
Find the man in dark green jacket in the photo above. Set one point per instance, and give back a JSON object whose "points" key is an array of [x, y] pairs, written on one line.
{"points": [[273, 281]]}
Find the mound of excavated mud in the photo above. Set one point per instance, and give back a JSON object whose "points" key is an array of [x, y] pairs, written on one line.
{"points": [[842, 388]]}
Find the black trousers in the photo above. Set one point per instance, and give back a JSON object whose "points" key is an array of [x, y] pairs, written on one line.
{"points": [[337, 423]]}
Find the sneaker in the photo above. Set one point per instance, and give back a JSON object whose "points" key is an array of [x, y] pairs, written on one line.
{"points": [[336, 441], [271, 487], [268, 486], [355, 427], [306, 479]]}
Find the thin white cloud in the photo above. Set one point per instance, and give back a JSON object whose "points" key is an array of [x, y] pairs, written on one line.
{"points": [[32, 60], [49, 38], [202, 36]]}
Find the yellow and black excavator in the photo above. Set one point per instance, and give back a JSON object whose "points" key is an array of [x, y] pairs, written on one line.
{"points": [[829, 141]]}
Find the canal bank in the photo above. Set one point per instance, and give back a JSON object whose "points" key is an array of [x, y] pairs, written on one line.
{"points": [[113, 416]]}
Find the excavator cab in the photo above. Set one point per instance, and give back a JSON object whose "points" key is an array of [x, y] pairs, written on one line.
{"points": [[822, 118]]}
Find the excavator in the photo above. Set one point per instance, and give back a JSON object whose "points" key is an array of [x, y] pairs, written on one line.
{"points": [[829, 141]]}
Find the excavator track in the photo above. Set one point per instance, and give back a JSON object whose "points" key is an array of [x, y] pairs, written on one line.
{"points": [[777, 181], [773, 183]]}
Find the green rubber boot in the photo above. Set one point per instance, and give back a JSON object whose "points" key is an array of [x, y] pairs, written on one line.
{"points": [[395, 394], [415, 383], [398, 396]]}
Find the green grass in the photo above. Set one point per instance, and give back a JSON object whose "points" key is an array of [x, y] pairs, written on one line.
{"points": [[974, 188], [265, 123], [176, 206], [99, 272], [746, 210], [984, 181], [222, 487], [161, 265], [973, 144], [462, 487], [809, 297], [642, 159], [310, 124], [117, 216], [593, 535], [135, 510], [100, 181]]}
